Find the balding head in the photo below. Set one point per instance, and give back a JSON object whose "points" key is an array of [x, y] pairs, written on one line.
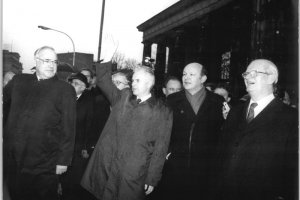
{"points": [[194, 76], [260, 77]]}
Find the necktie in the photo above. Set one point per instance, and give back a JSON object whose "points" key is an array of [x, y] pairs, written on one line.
{"points": [[138, 101], [250, 115]]}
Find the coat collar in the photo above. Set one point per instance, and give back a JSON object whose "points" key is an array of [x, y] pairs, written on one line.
{"points": [[34, 76], [181, 100]]}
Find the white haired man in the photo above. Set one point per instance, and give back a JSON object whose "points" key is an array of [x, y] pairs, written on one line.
{"points": [[258, 155], [128, 159]]}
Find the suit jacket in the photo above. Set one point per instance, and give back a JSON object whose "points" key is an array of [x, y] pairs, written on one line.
{"points": [[193, 141], [132, 147], [259, 160], [41, 122]]}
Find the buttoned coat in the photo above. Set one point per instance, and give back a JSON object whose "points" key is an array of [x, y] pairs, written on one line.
{"points": [[40, 130], [132, 147], [259, 160], [193, 143]]}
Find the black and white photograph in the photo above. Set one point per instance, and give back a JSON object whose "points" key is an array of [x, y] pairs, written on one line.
{"points": [[150, 100]]}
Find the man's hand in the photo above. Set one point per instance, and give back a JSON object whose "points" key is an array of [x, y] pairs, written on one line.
{"points": [[61, 169], [148, 189], [84, 153]]}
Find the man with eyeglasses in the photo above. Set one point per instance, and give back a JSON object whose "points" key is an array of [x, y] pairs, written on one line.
{"points": [[40, 129], [121, 79], [258, 151]]}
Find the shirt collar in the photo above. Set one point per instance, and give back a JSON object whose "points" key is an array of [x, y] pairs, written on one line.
{"points": [[78, 96], [262, 103], [197, 94], [38, 78], [145, 98]]}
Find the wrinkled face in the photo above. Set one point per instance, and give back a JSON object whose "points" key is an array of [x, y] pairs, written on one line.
{"points": [[46, 63], [120, 81], [172, 87], [257, 79], [141, 83], [222, 92], [88, 75], [78, 85], [192, 79]]}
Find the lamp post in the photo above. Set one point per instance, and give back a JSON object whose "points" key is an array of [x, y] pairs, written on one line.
{"points": [[101, 29], [47, 28]]}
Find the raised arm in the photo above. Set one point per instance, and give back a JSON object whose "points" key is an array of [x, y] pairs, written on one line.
{"points": [[104, 81]]}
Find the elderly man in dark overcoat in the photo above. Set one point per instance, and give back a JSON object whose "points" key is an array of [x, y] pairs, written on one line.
{"points": [[259, 149], [129, 156], [40, 128], [197, 120]]}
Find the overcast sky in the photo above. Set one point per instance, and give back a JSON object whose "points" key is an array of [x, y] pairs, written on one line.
{"points": [[80, 19]]}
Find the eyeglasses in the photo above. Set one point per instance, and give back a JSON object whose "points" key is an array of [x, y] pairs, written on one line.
{"points": [[119, 82], [77, 83], [253, 74], [44, 61]]}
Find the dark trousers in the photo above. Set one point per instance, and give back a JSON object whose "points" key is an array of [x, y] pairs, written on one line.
{"points": [[42, 186]]}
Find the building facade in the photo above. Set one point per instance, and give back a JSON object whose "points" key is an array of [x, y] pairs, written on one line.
{"points": [[225, 36]]}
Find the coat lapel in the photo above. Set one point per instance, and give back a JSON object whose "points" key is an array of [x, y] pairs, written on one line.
{"points": [[186, 106], [262, 118]]}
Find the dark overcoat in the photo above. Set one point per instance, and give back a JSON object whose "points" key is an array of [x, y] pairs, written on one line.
{"points": [[193, 144], [41, 122], [132, 148], [260, 159], [84, 133]]}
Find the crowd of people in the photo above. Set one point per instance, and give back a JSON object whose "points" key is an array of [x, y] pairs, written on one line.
{"points": [[105, 135]]}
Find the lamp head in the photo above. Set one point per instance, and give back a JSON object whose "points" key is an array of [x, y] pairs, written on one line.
{"points": [[43, 27]]}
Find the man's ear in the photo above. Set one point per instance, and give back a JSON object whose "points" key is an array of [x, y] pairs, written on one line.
{"points": [[203, 78], [164, 91], [271, 79]]}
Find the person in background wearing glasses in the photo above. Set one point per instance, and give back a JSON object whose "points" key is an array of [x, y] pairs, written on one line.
{"points": [[258, 150], [121, 78], [40, 129]]}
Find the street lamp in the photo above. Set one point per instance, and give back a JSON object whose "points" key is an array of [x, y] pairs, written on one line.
{"points": [[47, 28]]}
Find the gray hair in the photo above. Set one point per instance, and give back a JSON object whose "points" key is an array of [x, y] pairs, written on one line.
{"points": [[37, 52], [148, 71]]}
